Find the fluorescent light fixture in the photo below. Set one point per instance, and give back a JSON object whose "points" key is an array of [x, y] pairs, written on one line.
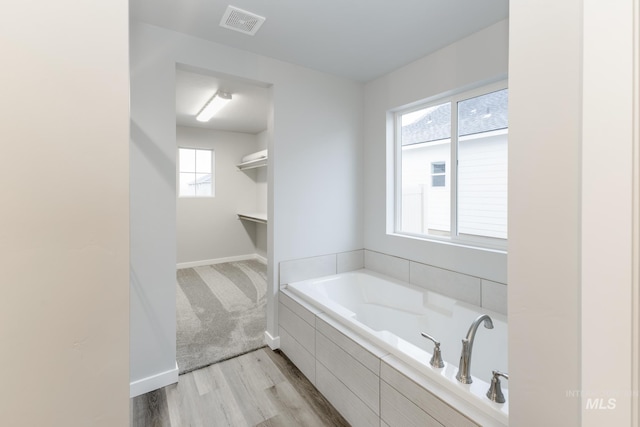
{"points": [[215, 104]]}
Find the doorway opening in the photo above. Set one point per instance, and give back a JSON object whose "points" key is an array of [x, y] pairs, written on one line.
{"points": [[221, 177]]}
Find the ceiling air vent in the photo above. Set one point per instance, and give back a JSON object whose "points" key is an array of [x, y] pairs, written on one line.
{"points": [[241, 20]]}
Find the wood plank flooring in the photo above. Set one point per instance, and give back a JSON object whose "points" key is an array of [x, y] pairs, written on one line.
{"points": [[262, 388]]}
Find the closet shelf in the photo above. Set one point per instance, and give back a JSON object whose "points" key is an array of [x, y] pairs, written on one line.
{"points": [[257, 163], [260, 218]]}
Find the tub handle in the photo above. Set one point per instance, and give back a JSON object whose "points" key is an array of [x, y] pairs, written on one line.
{"points": [[495, 391], [436, 359]]}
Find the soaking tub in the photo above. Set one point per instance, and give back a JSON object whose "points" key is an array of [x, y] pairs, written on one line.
{"points": [[392, 314]]}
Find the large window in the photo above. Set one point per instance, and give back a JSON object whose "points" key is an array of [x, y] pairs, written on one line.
{"points": [[451, 168], [195, 174]]}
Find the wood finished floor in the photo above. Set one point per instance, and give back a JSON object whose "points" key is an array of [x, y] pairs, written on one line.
{"points": [[262, 388]]}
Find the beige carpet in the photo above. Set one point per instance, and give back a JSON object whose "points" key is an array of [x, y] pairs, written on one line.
{"points": [[221, 312]]}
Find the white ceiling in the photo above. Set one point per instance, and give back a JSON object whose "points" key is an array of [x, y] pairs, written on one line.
{"points": [[247, 112], [357, 39]]}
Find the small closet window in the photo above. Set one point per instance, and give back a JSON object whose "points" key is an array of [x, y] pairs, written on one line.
{"points": [[196, 172]]}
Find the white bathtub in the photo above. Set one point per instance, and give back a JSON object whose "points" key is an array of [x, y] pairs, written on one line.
{"points": [[391, 314]]}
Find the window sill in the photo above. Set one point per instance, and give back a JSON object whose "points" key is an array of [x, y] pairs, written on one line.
{"points": [[196, 197], [467, 244]]}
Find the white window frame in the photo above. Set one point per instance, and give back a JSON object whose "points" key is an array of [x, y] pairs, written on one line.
{"points": [[213, 173], [465, 240]]}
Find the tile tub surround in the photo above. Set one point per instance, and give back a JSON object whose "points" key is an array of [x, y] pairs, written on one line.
{"points": [[391, 266], [494, 296], [473, 290], [470, 289], [366, 384], [296, 270], [297, 326]]}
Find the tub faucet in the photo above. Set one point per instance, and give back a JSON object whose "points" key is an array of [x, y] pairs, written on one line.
{"points": [[495, 391], [436, 359], [464, 375]]}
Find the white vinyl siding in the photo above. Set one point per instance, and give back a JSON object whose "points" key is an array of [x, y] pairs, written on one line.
{"points": [[482, 185], [425, 208]]}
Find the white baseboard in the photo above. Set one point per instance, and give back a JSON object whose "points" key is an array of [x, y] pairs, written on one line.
{"points": [[154, 382], [220, 261], [273, 343]]}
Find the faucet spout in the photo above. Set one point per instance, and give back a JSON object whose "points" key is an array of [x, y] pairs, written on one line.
{"points": [[464, 369]]}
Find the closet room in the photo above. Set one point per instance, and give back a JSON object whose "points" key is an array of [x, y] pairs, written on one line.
{"points": [[222, 134]]}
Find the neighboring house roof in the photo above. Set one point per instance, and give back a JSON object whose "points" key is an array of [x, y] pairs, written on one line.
{"points": [[476, 115], [206, 179]]}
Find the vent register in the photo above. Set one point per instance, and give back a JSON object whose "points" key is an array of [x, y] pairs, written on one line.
{"points": [[240, 20]]}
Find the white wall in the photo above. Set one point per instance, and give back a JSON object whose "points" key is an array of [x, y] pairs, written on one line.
{"points": [[315, 164], [64, 247], [544, 214], [477, 58], [261, 176], [610, 259], [572, 296], [208, 228], [152, 219]]}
